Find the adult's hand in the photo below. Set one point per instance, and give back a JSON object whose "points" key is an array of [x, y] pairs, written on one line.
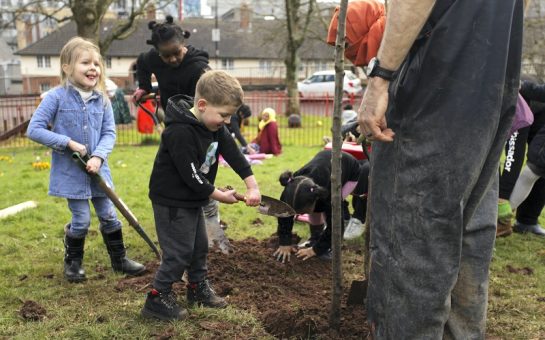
{"points": [[283, 253], [371, 115]]}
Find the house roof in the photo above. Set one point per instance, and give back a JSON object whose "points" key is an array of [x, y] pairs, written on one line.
{"points": [[263, 41]]}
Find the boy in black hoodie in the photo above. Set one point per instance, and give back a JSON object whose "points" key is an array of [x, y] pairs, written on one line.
{"points": [[181, 184]]}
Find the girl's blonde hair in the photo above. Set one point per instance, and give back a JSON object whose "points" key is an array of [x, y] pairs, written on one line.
{"points": [[70, 54]]}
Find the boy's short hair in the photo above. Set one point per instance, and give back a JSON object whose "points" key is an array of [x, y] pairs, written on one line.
{"points": [[219, 88]]}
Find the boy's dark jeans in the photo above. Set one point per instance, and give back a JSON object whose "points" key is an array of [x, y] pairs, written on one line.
{"points": [[183, 240]]}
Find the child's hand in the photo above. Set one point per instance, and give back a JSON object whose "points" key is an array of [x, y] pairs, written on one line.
{"points": [[93, 165], [253, 197], [224, 196], [250, 150], [138, 94], [77, 147], [305, 253], [283, 253]]}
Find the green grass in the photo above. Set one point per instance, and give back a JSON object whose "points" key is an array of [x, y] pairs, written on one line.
{"points": [[31, 250]]}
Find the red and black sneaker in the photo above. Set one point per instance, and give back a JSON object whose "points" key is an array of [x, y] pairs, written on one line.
{"points": [[163, 306]]}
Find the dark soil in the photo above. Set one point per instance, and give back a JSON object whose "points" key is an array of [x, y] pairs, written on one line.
{"points": [[291, 300], [522, 271], [32, 311]]}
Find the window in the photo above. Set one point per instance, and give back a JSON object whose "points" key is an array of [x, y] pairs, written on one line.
{"points": [[265, 65], [108, 62], [227, 63], [43, 61], [44, 87]]}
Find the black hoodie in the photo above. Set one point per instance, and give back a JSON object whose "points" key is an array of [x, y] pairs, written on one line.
{"points": [[186, 163], [172, 80]]}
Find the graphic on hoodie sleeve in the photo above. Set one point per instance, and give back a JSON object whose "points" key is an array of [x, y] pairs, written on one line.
{"points": [[210, 158]]}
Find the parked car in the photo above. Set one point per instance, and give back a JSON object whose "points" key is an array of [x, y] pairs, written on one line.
{"points": [[322, 84]]}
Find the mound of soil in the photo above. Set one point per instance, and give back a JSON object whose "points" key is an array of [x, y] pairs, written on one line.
{"points": [[291, 300], [32, 311]]}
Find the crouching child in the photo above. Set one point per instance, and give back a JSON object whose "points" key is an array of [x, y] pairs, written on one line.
{"points": [[181, 183]]}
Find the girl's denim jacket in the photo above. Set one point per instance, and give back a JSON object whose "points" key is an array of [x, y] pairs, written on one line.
{"points": [[91, 124]]}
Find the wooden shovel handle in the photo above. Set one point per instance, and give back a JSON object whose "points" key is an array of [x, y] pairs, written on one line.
{"points": [[238, 196]]}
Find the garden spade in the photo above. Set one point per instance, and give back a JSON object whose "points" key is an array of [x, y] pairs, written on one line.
{"points": [[268, 205], [119, 204], [358, 289]]}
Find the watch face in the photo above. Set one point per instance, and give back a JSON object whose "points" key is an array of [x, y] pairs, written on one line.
{"points": [[371, 66]]}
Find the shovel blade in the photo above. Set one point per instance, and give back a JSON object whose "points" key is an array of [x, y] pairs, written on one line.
{"points": [[273, 207], [357, 293]]}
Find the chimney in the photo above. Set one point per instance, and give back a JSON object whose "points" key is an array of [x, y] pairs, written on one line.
{"points": [[245, 16], [28, 33]]}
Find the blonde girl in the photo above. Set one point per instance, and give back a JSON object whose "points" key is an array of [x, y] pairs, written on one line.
{"points": [[82, 121]]}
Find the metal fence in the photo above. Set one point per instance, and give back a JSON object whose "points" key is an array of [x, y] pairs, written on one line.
{"points": [[15, 112]]}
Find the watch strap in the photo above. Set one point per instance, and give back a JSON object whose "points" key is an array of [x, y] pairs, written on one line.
{"points": [[383, 73]]}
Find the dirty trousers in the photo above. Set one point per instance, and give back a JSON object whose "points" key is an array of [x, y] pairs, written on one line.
{"points": [[433, 195], [183, 241]]}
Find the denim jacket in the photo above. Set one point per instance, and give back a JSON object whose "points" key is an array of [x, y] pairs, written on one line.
{"points": [[91, 124]]}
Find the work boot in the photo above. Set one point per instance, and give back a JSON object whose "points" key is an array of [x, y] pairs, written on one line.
{"points": [[162, 306], [120, 262], [202, 294], [505, 213], [73, 258], [504, 229], [528, 228], [315, 233], [354, 229]]}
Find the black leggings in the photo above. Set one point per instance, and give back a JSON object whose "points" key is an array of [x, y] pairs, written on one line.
{"points": [[528, 212], [515, 150]]}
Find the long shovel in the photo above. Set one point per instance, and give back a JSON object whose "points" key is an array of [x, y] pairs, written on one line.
{"points": [[119, 204]]}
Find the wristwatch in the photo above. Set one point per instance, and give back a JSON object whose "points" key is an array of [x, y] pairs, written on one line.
{"points": [[374, 70]]}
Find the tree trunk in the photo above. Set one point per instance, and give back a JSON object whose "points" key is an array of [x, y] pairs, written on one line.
{"points": [[292, 71], [87, 19], [336, 172]]}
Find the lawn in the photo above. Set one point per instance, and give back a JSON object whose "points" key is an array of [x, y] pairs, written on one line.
{"points": [[31, 267]]}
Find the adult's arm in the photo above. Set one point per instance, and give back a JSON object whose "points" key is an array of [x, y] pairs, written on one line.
{"points": [[405, 19]]}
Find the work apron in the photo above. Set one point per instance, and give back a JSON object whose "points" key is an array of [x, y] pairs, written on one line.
{"points": [[434, 189]]}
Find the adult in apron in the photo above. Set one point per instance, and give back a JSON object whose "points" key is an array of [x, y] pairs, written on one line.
{"points": [[434, 189]]}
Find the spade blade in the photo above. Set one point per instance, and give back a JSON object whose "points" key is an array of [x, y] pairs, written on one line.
{"points": [[273, 207]]}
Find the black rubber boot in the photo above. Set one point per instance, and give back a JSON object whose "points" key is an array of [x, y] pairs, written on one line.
{"points": [[162, 306], [120, 262], [202, 294], [73, 258]]}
